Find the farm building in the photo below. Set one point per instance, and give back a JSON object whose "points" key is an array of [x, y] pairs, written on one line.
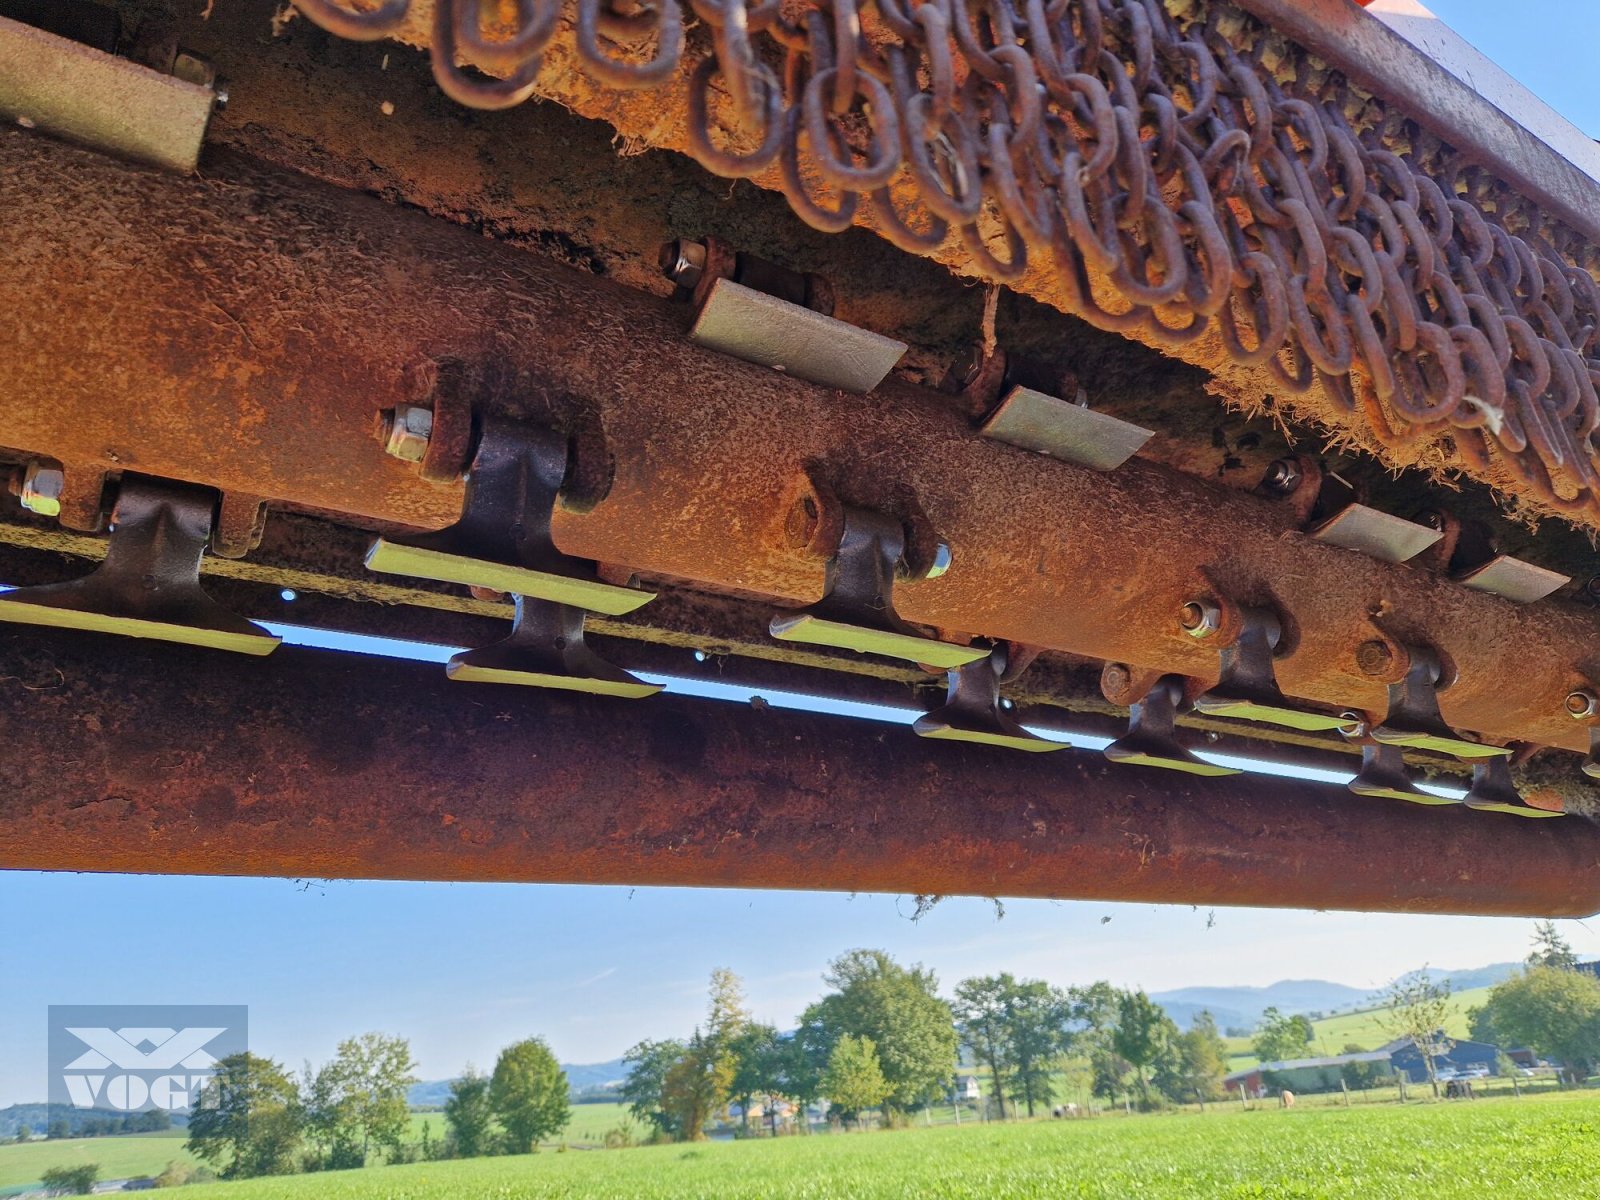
{"points": [[1463, 1055], [1301, 1074], [1399, 1057]]}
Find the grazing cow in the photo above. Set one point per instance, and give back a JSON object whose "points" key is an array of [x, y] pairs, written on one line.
{"points": [[1286, 1099]]}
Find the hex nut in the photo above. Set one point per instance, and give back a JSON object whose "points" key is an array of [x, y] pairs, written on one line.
{"points": [[1582, 704], [41, 489], [1200, 618], [408, 432]]}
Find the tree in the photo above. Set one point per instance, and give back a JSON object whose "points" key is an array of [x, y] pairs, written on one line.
{"points": [[759, 1062], [58, 1129], [528, 1092], [1415, 1008], [648, 1064], [982, 1016], [70, 1181], [1018, 1030], [1550, 949], [469, 1113], [1194, 1068], [24, 1133], [1094, 1011], [360, 1099], [1553, 1011], [247, 1120], [1358, 1075], [1281, 1038], [696, 1086], [1039, 1015], [899, 1009], [854, 1080], [1144, 1033]]}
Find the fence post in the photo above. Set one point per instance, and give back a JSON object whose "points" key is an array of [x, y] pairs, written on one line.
{"points": [[1345, 1087]]}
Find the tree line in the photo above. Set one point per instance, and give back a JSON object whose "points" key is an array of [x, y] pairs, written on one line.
{"points": [[884, 1039], [1553, 1007], [256, 1118]]}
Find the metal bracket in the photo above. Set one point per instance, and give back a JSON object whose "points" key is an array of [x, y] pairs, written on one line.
{"points": [[1383, 774], [149, 584], [972, 713], [856, 611], [85, 95], [1075, 433], [1512, 579], [1414, 718], [770, 332], [1493, 791], [546, 648], [1377, 534], [503, 541], [1247, 688], [1151, 740]]}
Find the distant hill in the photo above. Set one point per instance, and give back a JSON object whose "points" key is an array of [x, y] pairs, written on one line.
{"points": [[1242, 1007], [581, 1077], [1473, 978]]}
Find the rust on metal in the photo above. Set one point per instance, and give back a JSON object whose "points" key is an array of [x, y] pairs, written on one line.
{"points": [[315, 764], [1138, 165], [317, 305]]}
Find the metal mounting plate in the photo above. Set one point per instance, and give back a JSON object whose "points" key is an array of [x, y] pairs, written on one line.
{"points": [[1514, 580], [462, 672], [947, 732], [819, 631], [85, 95], [1380, 535], [1129, 753], [394, 558], [20, 612], [1214, 704], [774, 333], [1049, 425]]}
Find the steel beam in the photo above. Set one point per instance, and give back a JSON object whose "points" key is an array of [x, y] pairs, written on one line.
{"points": [[122, 758], [240, 331]]}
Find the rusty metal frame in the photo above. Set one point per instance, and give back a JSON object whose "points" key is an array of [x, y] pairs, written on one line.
{"points": [[710, 456], [318, 764]]}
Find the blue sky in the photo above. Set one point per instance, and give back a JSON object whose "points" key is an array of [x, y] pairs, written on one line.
{"points": [[463, 969]]}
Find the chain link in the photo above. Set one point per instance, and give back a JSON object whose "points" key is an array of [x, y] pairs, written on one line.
{"points": [[1173, 185]]}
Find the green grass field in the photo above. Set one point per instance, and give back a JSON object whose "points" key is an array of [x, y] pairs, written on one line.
{"points": [[1546, 1147], [118, 1157], [589, 1125]]}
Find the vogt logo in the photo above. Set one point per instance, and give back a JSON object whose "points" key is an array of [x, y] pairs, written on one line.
{"points": [[134, 1057]]}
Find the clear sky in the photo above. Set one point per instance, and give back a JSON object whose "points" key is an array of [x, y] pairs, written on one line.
{"points": [[463, 969]]}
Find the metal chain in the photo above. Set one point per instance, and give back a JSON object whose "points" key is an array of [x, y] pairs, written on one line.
{"points": [[1176, 189]]}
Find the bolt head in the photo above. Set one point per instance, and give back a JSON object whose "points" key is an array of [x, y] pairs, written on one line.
{"points": [[1200, 618], [1282, 477], [408, 432], [683, 262], [41, 489], [1374, 658], [942, 558], [1582, 704]]}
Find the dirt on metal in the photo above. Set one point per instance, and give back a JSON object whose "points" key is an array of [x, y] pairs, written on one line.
{"points": [[250, 324], [317, 764]]}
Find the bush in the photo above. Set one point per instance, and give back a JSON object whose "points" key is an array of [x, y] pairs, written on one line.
{"points": [[619, 1137], [71, 1181]]}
